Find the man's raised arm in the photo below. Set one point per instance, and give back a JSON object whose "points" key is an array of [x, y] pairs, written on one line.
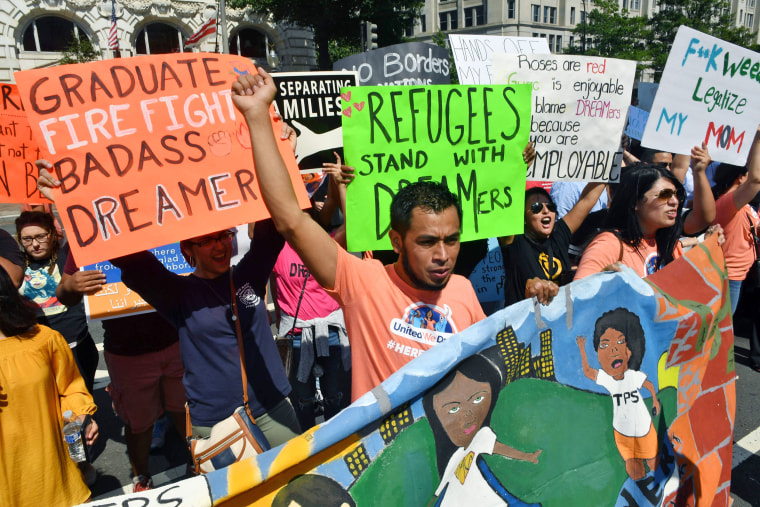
{"points": [[252, 95]]}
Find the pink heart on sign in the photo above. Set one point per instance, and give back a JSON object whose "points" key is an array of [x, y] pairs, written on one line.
{"points": [[346, 96], [347, 112], [359, 105]]}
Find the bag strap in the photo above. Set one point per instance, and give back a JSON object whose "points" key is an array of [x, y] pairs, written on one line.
{"points": [[239, 334], [755, 239], [298, 307]]}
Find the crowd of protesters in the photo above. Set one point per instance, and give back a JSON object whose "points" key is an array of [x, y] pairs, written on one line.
{"points": [[335, 306]]}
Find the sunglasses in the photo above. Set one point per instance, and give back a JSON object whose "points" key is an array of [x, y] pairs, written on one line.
{"points": [[538, 207], [666, 193]]}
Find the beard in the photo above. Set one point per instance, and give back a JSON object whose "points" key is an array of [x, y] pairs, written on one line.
{"points": [[418, 283]]}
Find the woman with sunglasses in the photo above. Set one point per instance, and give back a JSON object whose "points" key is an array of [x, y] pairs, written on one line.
{"points": [[541, 253], [645, 220]]}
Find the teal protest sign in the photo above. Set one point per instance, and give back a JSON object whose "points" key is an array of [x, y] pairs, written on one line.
{"points": [[469, 137]]}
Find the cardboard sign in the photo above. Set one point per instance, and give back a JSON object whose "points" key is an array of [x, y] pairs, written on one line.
{"points": [[115, 299], [472, 53], [578, 114], [533, 428], [411, 63], [488, 276], [310, 102], [149, 150], [18, 151], [708, 93], [637, 122], [470, 137]]}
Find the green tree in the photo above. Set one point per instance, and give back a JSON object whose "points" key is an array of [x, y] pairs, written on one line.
{"points": [[79, 51], [610, 31], [339, 21], [439, 39], [709, 16]]}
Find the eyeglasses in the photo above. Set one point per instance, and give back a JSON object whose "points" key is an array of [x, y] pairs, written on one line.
{"points": [[222, 237], [666, 193], [538, 207], [39, 238]]}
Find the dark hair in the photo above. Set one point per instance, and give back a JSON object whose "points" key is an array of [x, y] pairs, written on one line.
{"points": [[47, 222], [628, 323], [478, 368], [725, 175], [313, 489], [537, 191], [621, 215], [17, 314], [428, 195], [647, 155]]}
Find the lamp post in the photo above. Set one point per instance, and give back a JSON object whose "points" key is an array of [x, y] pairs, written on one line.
{"points": [[583, 39]]}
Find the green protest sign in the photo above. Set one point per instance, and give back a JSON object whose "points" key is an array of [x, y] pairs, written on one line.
{"points": [[469, 137]]}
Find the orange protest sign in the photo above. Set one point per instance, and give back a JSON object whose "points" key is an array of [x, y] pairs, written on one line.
{"points": [[18, 174], [149, 150]]}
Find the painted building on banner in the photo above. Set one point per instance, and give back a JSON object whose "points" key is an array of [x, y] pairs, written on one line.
{"points": [[34, 33], [554, 20]]}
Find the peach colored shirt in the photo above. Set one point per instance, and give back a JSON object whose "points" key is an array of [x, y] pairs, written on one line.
{"points": [[739, 248], [605, 250]]}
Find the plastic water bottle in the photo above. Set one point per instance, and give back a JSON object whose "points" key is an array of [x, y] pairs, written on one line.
{"points": [[72, 437]]}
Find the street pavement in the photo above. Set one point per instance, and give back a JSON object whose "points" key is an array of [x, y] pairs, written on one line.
{"points": [[168, 464]]}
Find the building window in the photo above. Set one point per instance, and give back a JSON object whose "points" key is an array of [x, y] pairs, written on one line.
{"points": [[748, 20], [536, 13], [551, 42], [51, 33], [558, 44], [511, 9], [159, 39], [535, 35], [572, 41], [473, 16], [550, 15], [423, 23], [572, 15], [583, 17], [448, 20], [635, 5], [625, 4], [249, 42]]}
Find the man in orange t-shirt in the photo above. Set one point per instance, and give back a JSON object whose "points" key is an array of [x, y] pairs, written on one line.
{"points": [[385, 307]]}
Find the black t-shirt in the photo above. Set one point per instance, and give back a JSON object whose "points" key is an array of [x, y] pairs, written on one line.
{"points": [[134, 335], [525, 258], [39, 285]]}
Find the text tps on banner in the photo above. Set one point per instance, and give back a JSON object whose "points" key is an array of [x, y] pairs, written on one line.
{"points": [[469, 137], [708, 93], [578, 112], [149, 150]]}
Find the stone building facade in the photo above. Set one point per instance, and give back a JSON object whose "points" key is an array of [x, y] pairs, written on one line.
{"points": [[33, 33]]}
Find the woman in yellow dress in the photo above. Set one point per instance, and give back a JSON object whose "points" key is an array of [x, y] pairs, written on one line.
{"points": [[38, 382]]}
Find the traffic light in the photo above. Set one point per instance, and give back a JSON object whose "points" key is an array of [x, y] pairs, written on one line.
{"points": [[371, 32]]}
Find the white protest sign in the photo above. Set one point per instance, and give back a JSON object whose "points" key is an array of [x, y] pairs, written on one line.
{"points": [[637, 120], [578, 112], [472, 53], [708, 93]]}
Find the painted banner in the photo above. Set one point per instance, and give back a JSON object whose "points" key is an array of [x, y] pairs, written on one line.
{"points": [[410, 63], [18, 151], [149, 150], [578, 114], [472, 53], [471, 137], [708, 93], [637, 121], [619, 393], [115, 299], [310, 102]]}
